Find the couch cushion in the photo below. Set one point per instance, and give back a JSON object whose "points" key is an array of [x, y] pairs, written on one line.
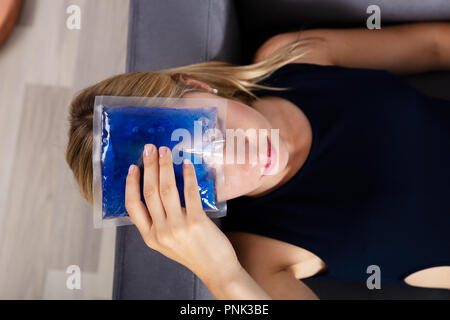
{"points": [[173, 33]]}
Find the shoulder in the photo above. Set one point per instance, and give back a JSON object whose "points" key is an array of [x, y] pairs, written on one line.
{"points": [[318, 50]]}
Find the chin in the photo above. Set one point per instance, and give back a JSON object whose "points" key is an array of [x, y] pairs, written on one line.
{"points": [[235, 187]]}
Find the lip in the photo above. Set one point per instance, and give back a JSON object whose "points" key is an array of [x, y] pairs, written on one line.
{"points": [[271, 158]]}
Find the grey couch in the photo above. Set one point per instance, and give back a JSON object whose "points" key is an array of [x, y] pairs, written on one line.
{"points": [[168, 33]]}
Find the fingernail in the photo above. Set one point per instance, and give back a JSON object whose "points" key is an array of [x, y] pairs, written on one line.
{"points": [[187, 162], [162, 151], [148, 150], [131, 169]]}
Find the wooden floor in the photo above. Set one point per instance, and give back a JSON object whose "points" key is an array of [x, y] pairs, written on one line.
{"points": [[45, 225]]}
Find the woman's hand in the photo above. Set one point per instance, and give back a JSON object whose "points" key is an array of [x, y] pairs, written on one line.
{"points": [[185, 235]]}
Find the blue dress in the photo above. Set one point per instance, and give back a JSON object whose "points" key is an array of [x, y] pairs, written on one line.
{"points": [[375, 188]]}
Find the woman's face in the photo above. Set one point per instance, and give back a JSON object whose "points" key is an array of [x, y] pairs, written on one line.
{"points": [[249, 161]]}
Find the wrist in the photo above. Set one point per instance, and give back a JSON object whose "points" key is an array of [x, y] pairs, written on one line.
{"points": [[235, 283], [224, 275]]}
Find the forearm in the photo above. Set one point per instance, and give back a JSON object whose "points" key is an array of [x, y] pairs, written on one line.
{"points": [[283, 285], [402, 49], [443, 40], [235, 284]]}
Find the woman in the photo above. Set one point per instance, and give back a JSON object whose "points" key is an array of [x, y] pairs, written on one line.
{"points": [[363, 177]]}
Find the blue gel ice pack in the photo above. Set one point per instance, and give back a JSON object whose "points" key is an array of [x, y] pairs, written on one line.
{"points": [[126, 130]]}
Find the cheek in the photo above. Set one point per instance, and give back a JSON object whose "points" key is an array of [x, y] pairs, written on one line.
{"points": [[240, 180], [244, 117]]}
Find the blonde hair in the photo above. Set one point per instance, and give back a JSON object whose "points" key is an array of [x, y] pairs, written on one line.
{"points": [[233, 82]]}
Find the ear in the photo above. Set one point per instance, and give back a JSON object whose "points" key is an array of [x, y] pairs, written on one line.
{"points": [[197, 83]]}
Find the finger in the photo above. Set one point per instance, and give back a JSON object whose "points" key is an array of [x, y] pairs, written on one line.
{"points": [[136, 209], [191, 191], [151, 185], [167, 186]]}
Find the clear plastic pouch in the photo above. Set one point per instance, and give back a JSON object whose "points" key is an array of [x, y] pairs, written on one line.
{"points": [[191, 128]]}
